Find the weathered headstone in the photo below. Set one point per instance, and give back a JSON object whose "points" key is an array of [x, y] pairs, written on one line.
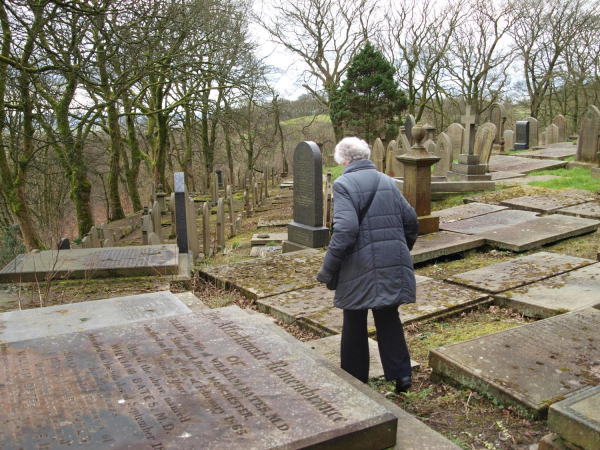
{"points": [[509, 140], [377, 154], [94, 237], [219, 174], [247, 203], [489, 222], [173, 216], [409, 123], [181, 202], [206, 230], [161, 198], [214, 188], [220, 225], [443, 149], [229, 196], [588, 145], [192, 228], [147, 228], [561, 123], [390, 158], [307, 228], [455, 133], [552, 134], [533, 131], [484, 142], [522, 141], [212, 402], [156, 219], [542, 139], [404, 146], [497, 113], [153, 239]]}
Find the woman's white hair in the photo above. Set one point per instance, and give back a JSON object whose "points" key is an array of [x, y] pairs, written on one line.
{"points": [[351, 149]]}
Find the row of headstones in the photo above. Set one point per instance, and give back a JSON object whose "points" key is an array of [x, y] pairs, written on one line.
{"points": [[101, 237], [528, 135]]}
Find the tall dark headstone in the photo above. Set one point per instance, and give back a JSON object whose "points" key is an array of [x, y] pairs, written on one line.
{"points": [[180, 212], [522, 139], [219, 177], [307, 228], [64, 244]]}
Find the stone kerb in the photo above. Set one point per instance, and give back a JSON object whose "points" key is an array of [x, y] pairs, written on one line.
{"points": [[307, 228]]}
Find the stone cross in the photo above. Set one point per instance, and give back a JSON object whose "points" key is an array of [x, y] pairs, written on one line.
{"points": [[470, 121], [180, 212]]}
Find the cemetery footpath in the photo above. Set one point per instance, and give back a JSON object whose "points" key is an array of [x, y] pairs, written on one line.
{"points": [[502, 300]]}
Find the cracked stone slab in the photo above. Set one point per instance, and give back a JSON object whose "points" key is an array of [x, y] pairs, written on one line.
{"points": [[519, 272], [577, 419], [489, 222], [443, 243], [560, 153], [538, 232], [329, 347], [586, 210], [578, 289], [466, 211], [268, 276], [527, 367], [550, 202], [516, 164]]}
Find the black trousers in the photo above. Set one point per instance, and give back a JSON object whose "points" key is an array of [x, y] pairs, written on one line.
{"points": [[390, 338]]}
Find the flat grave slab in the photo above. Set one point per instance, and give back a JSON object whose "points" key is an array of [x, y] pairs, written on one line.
{"points": [[517, 164], [434, 299], [212, 380], [524, 181], [519, 272], [329, 348], [498, 176], [560, 153], [466, 211], [489, 222], [265, 238], [266, 223], [264, 250], [528, 367], [589, 210], [569, 291], [268, 276], [443, 243], [577, 419], [191, 301], [556, 145], [62, 319], [539, 231], [93, 262], [550, 202]]}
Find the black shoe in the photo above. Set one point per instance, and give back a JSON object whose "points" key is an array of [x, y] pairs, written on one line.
{"points": [[403, 385]]}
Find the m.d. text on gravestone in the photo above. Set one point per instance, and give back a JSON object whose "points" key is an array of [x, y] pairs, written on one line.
{"points": [[182, 382], [307, 228], [522, 139]]}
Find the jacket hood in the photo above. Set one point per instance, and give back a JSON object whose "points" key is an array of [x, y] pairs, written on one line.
{"points": [[361, 164]]}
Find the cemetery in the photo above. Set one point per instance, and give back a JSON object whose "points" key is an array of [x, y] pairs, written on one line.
{"points": [[169, 196]]}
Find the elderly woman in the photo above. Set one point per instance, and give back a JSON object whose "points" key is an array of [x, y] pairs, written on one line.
{"points": [[368, 262]]}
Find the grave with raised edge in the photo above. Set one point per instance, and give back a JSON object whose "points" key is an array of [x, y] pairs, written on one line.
{"points": [[489, 222], [466, 211]]}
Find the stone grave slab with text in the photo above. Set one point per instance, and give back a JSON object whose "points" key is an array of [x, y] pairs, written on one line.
{"points": [[519, 271], [569, 291], [443, 243], [516, 164], [528, 367], [93, 263], [84, 316], [465, 211], [577, 419], [270, 275], [211, 380], [489, 222], [538, 232], [550, 202]]}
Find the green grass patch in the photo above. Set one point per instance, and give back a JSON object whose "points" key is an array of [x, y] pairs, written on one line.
{"points": [[305, 120], [577, 178], [336, 171]]}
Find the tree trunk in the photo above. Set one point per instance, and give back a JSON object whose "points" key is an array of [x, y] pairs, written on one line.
{"points": [[131, 172]]}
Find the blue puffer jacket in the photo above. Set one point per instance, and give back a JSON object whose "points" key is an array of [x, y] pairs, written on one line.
{"points": [[373, 260]]}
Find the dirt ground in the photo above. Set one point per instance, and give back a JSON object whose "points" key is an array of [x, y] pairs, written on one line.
{"points": [[471, 420]]}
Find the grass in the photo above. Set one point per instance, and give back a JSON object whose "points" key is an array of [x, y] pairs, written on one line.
{"points": [[336, 171], [577, 178], [321, 118]]}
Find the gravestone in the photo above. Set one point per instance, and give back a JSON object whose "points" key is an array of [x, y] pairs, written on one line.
{"points": [[509, 140], [247, 204], [561, 123], [466, 211], [92, 263], [551, 201], [443, 149], [192, 229], [206, 230], [147, 228], [94, 237], [377, 154], [443, 243], [110, 242], [516, 164], [153, 239], [156, 219], [86, 242], [214, 188], [575, 419], [588, 144], [219, 173], [456, 133], [307, 228], [409, 124], [173, 216], [552, 134], [390, 159], [533, 131], [527, 367], [523, 135], [184, 382], [104, 231], [484, 142], [64, 244], [232, 229], [266, 180], [83, 316], [489, 222], [496, 114], [161, 198], [181, 202], [542, 139], [519, 272], [403, 147], [220, 225]]}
